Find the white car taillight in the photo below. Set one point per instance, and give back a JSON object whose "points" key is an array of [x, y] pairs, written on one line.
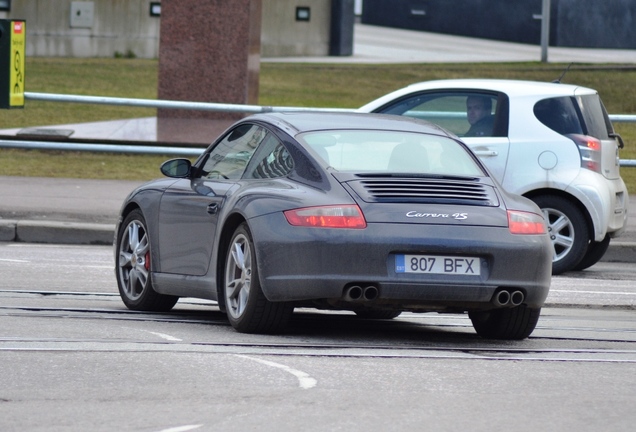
{"points": [[590, 150], [339, 216]]}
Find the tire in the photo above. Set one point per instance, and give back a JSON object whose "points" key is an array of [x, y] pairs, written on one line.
{"points": [[568, 230], [595, 251], [511, 324], [133, 266], [377, 313], [247, 308]]}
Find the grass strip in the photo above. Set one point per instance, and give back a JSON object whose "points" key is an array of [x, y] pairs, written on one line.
{"points": [[281, 84]]}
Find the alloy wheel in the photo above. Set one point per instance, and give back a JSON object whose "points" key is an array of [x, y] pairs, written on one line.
{"points": [[561, 232], [134, 260], [238, 276]]}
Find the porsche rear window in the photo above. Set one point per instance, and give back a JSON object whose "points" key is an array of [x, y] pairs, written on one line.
{"points": [[391, 152]]}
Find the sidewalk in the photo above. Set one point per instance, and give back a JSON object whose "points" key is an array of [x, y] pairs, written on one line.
{"points": [[64, 211]]}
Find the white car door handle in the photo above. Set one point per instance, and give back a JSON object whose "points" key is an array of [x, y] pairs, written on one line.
{"points": [[486, 153]]}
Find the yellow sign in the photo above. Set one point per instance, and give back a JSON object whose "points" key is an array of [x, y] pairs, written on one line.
{"points": [[16, 74]]}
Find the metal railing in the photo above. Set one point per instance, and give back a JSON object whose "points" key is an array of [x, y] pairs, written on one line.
{"points": [[165, 104], [102, 148], [208, 106], [153, 103]]}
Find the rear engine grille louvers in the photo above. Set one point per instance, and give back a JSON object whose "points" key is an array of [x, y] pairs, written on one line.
{"points": [[425, 191]]}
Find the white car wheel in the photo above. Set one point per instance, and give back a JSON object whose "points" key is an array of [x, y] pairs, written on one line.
{"points": [[568, 231]]}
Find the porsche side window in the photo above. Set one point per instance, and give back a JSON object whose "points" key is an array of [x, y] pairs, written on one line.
{"points": [[228, 159], [465, 114], [271, 160]]}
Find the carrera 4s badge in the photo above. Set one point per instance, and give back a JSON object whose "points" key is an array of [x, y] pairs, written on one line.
{"points": [[457, 216]]}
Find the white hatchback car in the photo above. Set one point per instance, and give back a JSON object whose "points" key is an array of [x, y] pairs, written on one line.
{"points": [[550, 142]]}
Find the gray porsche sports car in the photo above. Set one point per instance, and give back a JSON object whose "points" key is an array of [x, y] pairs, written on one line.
{"points": [[369, 213]]}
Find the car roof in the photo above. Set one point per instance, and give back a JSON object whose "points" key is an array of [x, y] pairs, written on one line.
{"points": [[510, 87], [513, 88], [302, 121]]}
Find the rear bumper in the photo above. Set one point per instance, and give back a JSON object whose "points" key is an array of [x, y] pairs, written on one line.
{"points": [[606, 201], [298, 264]]}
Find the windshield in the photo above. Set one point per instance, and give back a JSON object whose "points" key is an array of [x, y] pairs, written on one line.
{"points": [[391, 152]]}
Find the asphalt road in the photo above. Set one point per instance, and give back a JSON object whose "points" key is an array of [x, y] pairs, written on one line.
{"points": [[77, 268], [73, 358]]}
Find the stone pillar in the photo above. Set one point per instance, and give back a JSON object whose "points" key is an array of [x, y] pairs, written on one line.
{"points": [[209, 52]]}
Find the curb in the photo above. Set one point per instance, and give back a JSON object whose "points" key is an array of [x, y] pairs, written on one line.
{"points": [[29, 231], [82, 233], [620, 252]]}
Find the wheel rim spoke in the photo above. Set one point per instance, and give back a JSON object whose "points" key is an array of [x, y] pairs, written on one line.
{"points": [[133, 236], [242, 300], [564, 241], [142, 247], [142, 276], [561, 224], [233, 287], [132, 283], [125, 259]]}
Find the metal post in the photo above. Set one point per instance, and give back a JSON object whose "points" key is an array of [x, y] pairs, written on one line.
{"points": [[545, 30]]}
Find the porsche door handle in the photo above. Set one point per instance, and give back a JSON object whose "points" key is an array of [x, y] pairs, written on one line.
{"points": [[213, 208], [486, 153]]}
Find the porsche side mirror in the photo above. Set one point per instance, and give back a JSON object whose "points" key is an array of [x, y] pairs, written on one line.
{"points": [[177, 168]]}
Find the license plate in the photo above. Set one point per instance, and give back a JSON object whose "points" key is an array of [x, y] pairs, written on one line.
{"points": [[435, 264]]}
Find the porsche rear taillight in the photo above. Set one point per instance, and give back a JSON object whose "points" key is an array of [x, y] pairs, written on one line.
{"points": [[590, 150], [342, 216], [520, 222]]}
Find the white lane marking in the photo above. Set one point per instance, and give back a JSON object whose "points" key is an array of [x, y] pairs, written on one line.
{"points": [[166, 336], [55, 263], [594, 292], [161, 335], [304, 380], [56, 246], [182, 428]]}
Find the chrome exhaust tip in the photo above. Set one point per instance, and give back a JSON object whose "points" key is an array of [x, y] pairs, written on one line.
{"points": [[353, 293], [370, 293], [501, 299], [516, 298]]}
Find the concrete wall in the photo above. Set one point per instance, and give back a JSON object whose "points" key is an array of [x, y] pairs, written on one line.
{"points": [[284, 36], [125, 27], [117, 26]]}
